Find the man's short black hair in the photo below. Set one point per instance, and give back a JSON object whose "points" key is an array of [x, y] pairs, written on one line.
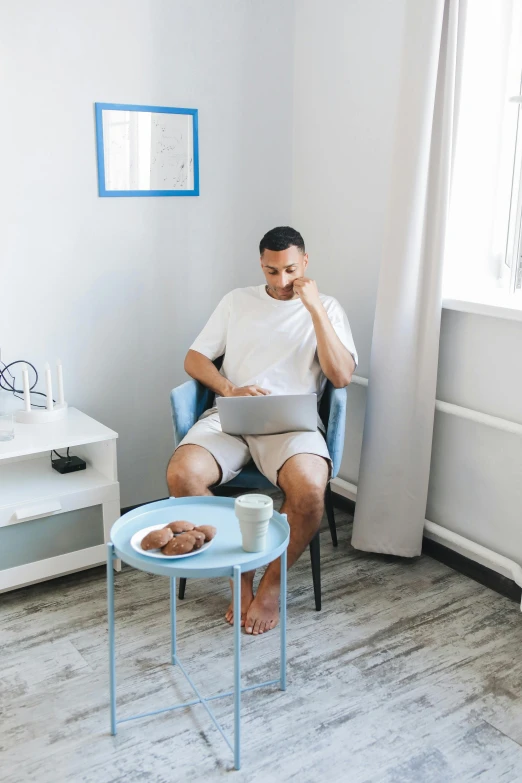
{"points": [[281, 238]]}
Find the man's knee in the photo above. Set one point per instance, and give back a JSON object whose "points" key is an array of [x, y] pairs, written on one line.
{"points": [[180, 477], [191, 471], [304, 482], [308, 499]]}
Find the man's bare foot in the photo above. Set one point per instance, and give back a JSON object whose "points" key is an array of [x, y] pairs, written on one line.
{"points": [[263, 613], [247, 596]]}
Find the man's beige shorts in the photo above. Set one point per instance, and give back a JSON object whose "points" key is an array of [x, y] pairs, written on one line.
{"points": [[269, 452]]}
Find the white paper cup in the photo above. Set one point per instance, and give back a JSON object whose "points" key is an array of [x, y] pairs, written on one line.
{"points": [[254, 513]]}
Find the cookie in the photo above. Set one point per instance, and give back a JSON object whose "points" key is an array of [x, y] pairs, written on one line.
{"points": [[156, 539], [208, 530], [179, 545], [186, 536], [180, 526], [199, 537]]}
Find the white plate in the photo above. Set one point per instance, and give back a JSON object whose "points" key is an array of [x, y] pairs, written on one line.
{"points": [[138, 537]]}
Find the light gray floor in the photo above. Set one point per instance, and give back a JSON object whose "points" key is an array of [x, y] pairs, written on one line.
{"points": [[411, 673]]}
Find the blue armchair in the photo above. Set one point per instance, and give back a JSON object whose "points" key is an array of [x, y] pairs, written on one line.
{"points": [[191, 399]]}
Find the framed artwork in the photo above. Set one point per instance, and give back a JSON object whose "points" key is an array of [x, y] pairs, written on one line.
{"points": [[146, 150]]}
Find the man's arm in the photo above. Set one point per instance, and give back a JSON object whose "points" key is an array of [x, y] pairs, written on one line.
{"points": [[203, 370], [336, 361]]}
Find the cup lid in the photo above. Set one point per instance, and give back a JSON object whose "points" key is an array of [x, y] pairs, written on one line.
{"points": [[254, 501]]}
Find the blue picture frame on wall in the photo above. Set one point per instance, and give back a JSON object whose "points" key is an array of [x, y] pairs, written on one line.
{"points": [[146, 150]]}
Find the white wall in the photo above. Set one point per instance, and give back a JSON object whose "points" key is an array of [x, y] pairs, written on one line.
{"points": [[346, 79], [118, 288], [346, 83]]}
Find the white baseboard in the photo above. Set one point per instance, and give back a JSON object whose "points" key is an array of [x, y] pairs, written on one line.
{"points": [[344, 488], [441, 535]]}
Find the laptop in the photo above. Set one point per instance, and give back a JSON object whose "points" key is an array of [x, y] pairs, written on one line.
{"points": [[268, 415]]}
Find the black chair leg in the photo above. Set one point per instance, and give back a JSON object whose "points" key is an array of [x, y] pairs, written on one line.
{"points": [[315, 557], [182, 585], [328, 502]]}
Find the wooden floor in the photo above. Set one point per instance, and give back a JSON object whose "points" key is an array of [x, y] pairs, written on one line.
{"points": [[412, 673]]}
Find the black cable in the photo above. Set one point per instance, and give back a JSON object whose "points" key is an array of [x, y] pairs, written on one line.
{"points": [[9, 371], [60, 456], [12, 388]]}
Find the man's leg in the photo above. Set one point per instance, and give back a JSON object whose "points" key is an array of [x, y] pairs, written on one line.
{"points": [[303, 480], [191, 471]]}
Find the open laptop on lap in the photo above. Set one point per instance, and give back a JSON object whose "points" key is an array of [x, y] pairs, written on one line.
{"points": [[268, 415]]}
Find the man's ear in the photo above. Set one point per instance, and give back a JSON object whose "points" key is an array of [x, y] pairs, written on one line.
{"points": [[305, 259]]}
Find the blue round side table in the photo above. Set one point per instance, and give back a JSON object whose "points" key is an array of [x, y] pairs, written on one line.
{"points": [[225, 557]]}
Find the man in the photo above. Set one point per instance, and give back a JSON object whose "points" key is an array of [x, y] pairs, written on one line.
{"points": [[280, 338]]}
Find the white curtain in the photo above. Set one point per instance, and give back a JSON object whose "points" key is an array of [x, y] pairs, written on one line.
{"points": [[395, 461]]}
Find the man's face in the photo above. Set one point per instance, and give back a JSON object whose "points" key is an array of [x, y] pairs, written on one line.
{"points": [[281, 268]]}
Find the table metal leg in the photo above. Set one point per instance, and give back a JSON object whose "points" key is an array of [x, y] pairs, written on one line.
{"points": [[237, 667], [282, 600], [173, 620], [112, 661]]}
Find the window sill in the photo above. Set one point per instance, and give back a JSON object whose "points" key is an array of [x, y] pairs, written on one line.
{"points": [[497, 304]]}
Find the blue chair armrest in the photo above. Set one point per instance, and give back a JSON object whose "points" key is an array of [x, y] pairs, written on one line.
{"points": [[188, 402], [335, 427]]}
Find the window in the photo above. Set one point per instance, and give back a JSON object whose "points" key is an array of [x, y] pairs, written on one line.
{"points": [[512, 272], [483, 247]]}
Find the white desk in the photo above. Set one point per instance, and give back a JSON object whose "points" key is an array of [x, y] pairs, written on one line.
{"points": [[52, 524]]}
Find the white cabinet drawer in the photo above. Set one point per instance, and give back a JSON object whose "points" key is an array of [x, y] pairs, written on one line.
{"points": [[50, 536], [19, 513]]}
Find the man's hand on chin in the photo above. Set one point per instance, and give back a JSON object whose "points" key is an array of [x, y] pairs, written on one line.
{"points": [[307, 291], [247, 391]]}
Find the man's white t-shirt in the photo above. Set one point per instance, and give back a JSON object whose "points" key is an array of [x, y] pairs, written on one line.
{"points": [[270, 342]]}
